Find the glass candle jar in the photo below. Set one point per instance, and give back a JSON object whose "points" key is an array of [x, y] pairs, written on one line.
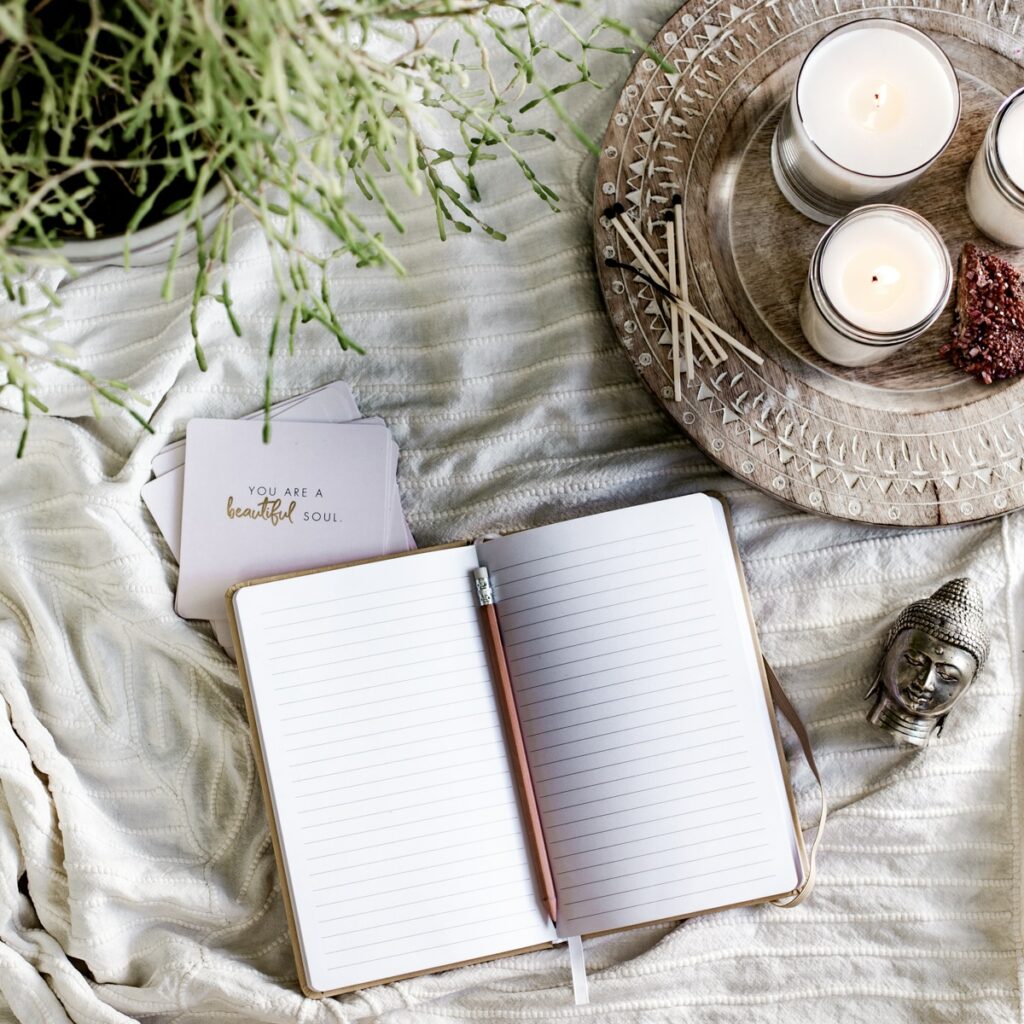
{"points": [[878, 278], [875, 104], [995, 184]]}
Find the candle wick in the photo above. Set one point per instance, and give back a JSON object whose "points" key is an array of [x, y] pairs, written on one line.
{"points": [[874, 279]]}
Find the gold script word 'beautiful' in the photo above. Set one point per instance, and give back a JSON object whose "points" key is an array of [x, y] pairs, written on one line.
{"points": [[269, 509]]}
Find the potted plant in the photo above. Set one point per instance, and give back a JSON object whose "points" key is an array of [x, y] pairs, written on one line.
{"points": [[137, 130]]}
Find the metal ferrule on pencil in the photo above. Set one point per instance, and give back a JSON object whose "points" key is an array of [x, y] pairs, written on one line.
{"points": [[484, 593]]}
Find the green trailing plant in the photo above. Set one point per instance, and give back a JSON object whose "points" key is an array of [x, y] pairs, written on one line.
{"points": [[115, 114]]}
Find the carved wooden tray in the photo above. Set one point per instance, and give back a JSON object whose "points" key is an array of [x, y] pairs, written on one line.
{"points": [[911, 441]]}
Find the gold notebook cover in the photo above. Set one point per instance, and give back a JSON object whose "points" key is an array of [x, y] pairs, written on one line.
{"points": [[265, 787]]}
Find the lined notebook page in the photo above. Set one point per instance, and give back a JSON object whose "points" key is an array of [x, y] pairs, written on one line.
{"points": [[653, 758], [398, 819]]}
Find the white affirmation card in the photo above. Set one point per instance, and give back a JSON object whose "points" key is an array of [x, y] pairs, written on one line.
{"points": [[643, 707], [318, 494], [394, 804], [164, 495], [333, 403]]}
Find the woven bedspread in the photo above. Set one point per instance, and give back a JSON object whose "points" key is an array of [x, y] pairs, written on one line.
{"points": [[136, 875]]}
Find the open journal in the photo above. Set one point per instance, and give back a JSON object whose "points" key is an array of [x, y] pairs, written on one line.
{"points": [[651, 746]]}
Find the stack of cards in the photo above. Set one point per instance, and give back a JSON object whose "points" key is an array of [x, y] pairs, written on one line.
{"points": [[232, 508]]}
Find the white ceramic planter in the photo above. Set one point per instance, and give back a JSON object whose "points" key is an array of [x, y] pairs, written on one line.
{"points": [[151, 245]]}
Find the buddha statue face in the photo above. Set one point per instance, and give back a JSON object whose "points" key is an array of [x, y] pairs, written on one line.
{"points": [[926, 676], [933, 652]]}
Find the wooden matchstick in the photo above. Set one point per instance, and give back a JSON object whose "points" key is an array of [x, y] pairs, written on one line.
{"points": [[695, 323], [618, 214], [725, 336], [709, 337], [711, 354], [682, 281], [741, 348], [670, 244], [652, 274]]}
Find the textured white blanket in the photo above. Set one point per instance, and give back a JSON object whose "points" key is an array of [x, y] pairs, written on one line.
{"points": [[136, 878]]}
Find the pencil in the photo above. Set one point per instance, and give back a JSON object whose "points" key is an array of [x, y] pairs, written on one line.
{"points": [[514, 733]]}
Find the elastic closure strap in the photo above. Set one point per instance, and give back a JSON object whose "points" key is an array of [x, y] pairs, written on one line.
{"points": [[580, 988], [782, 702]]}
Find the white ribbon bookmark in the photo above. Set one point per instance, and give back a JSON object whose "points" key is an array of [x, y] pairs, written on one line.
{"points": [[580, 989]]}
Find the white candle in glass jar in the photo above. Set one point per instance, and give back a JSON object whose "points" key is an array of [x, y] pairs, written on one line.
{"points": [[995, 184], [1010, 139], [878, 278], [875, 103]]}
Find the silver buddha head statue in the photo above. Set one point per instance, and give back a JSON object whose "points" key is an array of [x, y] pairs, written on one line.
{"points": [[933, 651]]}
